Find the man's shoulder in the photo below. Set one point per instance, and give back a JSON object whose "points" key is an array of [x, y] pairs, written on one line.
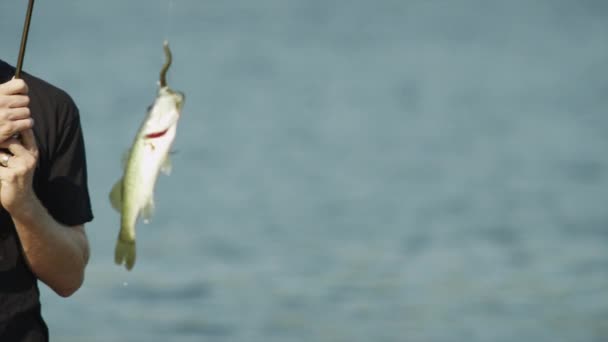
{"points": [[42, 92], [48, 94]]}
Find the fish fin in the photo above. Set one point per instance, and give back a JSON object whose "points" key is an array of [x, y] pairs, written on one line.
{"points": [[148, 211], [125, 253], [116, 196], [167, 166]]}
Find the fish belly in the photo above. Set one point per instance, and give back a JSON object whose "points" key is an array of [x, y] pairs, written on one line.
{"points": [[139, 182]]}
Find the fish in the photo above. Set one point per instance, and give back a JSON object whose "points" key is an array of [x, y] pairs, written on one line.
{"points": [[133, 195]]}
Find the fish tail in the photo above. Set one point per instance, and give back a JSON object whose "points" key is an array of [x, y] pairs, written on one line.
{"points": [[125, 248], [125, 253]]}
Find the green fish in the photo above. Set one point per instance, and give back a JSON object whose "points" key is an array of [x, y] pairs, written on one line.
{"points": [[133, 195]]}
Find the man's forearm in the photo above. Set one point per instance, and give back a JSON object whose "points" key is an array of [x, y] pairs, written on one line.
{"points": [[55, 253]]}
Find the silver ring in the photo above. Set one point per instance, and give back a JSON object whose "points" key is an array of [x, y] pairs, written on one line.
{"points": [[4, 160]]}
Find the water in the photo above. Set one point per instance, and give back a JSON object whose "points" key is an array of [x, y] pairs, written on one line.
{"points": [[345, 170]]}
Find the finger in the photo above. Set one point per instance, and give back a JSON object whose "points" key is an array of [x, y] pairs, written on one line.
{"points": [[29, 140], [14, 87], [10, 128], [18, 101], [15, 147], [4, 146], [6, 175], [16, 126], [22, 158], [14, 101], [4, 159], [18, 113]]}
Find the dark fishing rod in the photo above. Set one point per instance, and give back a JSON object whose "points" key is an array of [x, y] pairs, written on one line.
{"points": [[26, 30]]}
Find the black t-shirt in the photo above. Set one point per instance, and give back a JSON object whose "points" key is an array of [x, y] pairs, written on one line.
{"points": [[60, 182]]}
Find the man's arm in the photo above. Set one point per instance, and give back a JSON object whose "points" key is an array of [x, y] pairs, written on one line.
{"points": [[57, 254]]}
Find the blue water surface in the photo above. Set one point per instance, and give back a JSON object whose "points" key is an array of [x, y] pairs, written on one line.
{"points": [[345, 170]]}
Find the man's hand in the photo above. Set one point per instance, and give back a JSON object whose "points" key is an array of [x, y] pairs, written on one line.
{"points": [[14, 110], [17, 173]]}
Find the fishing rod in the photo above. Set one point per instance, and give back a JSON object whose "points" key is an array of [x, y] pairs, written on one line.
{"points": [[26, 30]]}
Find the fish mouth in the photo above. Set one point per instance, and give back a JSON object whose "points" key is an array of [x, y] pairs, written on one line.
{"points": [[155, 135]]}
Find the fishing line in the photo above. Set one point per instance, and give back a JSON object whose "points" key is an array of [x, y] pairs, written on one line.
{"points": [[169, 21], [167, 51]]}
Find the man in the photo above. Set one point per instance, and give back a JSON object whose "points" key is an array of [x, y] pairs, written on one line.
{"points": [[44, 201]]}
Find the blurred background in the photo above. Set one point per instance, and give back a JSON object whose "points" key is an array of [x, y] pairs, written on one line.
{"points": [[345, 170]]}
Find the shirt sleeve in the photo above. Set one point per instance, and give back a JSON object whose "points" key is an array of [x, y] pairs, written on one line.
{"points": [[66, 189]]}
